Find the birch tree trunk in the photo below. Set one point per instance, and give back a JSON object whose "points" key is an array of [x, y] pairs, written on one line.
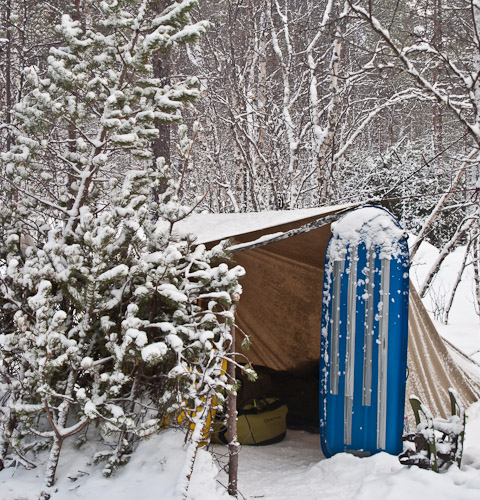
{"points": [[476, 273], [462, 229], [457, 282], [440, 205]]}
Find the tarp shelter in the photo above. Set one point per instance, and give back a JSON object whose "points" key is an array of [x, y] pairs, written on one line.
{"points": [[280, 308]]}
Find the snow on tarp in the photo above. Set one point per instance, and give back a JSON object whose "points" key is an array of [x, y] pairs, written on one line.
{"points": [[214, 227], [267, 238]]}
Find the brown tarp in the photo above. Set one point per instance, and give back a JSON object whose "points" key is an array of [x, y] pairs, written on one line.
{"points": [[280, 311], [432, 371], [281, 304]]}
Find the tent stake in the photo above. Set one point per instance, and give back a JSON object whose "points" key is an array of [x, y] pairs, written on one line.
{"points": [[233, 447]]}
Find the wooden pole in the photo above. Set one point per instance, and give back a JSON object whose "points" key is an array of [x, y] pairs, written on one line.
{"points": [[233, 447]]}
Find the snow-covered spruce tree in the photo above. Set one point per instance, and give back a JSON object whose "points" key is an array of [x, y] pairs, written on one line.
{"points": [[107, 314]]}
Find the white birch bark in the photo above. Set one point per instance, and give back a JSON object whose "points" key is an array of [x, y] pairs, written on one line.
{"points": [[461, 230], [476, 273], [440, 205], [285, 61], [453, 292]]}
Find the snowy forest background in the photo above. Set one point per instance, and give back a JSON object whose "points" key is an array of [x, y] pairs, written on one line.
{"points": [[114, 125], [307, 103]]}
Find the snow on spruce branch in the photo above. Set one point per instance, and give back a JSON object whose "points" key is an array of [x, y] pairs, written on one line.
{"points": [[107, 315]]}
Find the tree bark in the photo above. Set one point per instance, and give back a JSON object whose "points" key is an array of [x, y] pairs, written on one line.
{"points": [[437, 109], [233, 447], [59, 429], [462, 229], [476, 273], [162, 70], [457, 282], [8, 76], [53, 462]]}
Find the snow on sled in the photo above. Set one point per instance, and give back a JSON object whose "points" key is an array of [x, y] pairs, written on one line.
{"points": [[363, 359]]}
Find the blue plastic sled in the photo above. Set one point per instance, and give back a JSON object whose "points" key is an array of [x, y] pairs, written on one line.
{"points": [[363, 359]]}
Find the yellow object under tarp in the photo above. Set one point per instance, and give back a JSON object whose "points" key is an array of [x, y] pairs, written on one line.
{"points": [[182, 417], [260, 422]]}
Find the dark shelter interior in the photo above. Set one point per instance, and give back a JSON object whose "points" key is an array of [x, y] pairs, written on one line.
{"points": [[280, 312], [299, 392]]}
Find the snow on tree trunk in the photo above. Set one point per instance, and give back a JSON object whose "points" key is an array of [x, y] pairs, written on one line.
{"points": [[461, 230], [476, 273], [232, 414], [199, 424], [53, 462], [448, 307]]}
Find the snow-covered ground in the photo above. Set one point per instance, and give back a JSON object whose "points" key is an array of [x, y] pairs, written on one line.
{"points": [[294, 469], [151, 474]]}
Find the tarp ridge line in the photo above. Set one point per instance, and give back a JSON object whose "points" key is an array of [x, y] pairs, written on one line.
{"points": [[321, 222]]}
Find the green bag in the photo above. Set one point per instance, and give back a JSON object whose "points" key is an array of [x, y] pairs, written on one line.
{"points": [[260, 422]]}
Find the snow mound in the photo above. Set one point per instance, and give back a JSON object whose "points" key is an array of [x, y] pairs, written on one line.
{"points": [[294, 469], [152, 474]]}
